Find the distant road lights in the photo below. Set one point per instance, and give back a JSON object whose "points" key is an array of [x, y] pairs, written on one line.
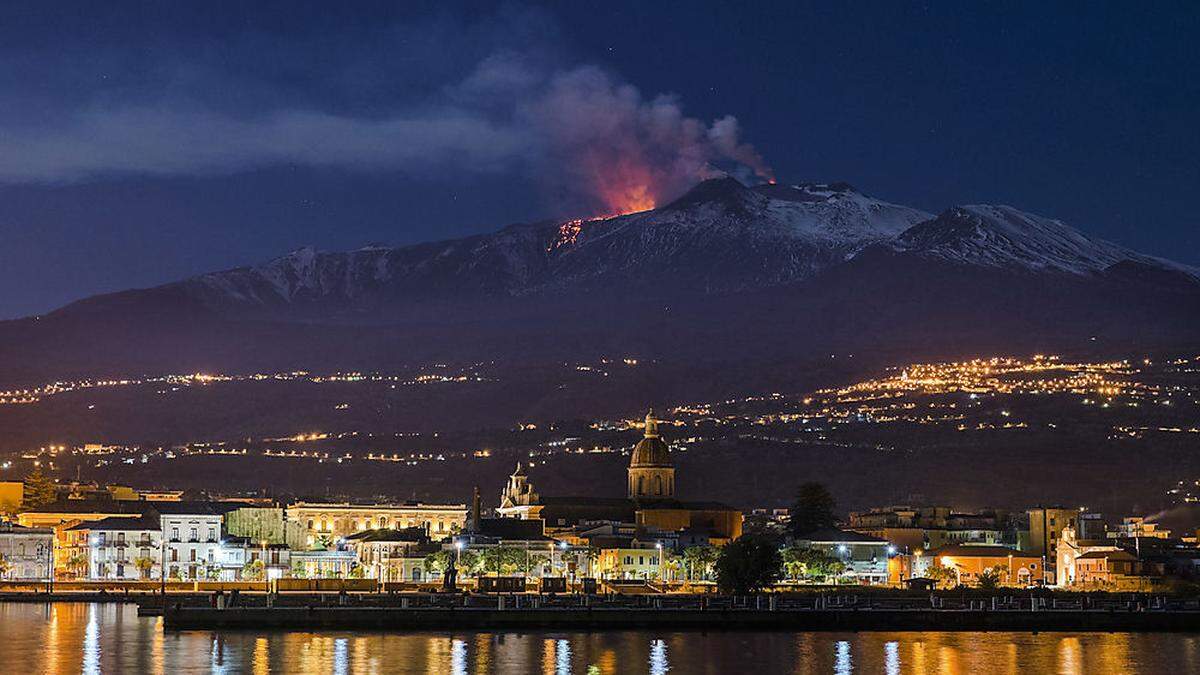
{"points": [[891, 549]]}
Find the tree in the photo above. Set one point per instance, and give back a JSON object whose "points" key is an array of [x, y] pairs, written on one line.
{"points": [[989, 579], [749, 564], [254, 570], [812, 510], [39, 490], [943, 576], [5, 566], [698, 561], [77, 564], [298, 570], [143, 566], [810, 564], [438, 562]]}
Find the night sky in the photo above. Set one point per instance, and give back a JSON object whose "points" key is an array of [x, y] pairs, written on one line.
{"points": [[143, 143]]}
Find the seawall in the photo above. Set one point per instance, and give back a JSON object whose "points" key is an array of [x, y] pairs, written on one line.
{"points": [[398, 619]]}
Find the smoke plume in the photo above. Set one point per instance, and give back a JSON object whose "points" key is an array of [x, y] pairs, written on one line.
{"points": [[593, 141]]}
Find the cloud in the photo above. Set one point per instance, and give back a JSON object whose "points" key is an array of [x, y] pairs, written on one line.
{"points": [[588, 136]]}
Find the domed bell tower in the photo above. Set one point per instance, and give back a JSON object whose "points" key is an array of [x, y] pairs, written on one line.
{"points": [[651, 474]]}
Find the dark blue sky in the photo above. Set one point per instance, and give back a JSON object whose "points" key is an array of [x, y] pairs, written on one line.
{"points": [[148, 142]]}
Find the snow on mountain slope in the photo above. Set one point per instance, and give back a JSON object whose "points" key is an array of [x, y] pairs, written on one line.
{"points": [[724, 236], [721, 236], [1001, 236]]}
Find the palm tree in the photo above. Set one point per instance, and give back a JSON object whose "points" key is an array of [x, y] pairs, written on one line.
{"points": [[143, 566]]}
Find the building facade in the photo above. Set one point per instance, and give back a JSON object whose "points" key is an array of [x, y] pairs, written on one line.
{"points": [[325, 524], [25, 551], [116, 548]]}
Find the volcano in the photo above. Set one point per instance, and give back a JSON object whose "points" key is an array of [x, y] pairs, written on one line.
{"points": [[725, 272]]}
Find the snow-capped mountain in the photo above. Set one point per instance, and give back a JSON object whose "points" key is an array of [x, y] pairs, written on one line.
{"points": [[720, 236], [726, 271], [1006, 238]]}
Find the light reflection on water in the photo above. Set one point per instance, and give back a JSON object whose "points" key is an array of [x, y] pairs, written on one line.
{"points": [[109, 638]]}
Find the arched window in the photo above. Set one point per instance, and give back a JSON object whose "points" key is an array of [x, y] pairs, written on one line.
{"points": [[383, 521], [658, 485], [639, 488], [324, 524]]}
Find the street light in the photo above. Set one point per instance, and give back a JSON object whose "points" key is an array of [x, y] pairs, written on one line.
{"points": [[266, 577], [659, 546]]}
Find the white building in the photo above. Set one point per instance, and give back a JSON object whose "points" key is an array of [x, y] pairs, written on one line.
{"points": [[193, 539], [117, 548], [25, 552]]}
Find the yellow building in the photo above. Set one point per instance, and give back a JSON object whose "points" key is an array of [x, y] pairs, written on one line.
{"points": [[324, 524], [1115, 570], [12, 493], [629, 563], [967, 562]]}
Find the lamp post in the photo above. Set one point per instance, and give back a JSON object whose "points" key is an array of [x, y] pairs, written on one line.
{"points": [[659, 546], [50, 564], [266, 577], [564, 545], [162, 567]]}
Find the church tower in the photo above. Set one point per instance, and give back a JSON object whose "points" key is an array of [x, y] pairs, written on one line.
{"points": [[519, 499], [651, 474]]}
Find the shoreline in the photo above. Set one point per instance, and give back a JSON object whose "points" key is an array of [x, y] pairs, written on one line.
{"points": [[825, 620]]}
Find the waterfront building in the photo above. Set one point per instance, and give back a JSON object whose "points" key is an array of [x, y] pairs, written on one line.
{"points": [[629, 560], [62, 515], [25, 551], [277, 560], [323, 564], [193, 539], [266, 523], [116, 548], [1071, 547], [865, 557], [390, 555], [968, 561], [325, 524], [1116, 570]]}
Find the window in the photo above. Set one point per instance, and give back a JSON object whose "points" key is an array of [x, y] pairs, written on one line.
{"points": [[174, 558], [658, 485], [212, 534], [192, 555], [628, 560], [174, 534], [193, 535], [310, 523], [120, 539]]}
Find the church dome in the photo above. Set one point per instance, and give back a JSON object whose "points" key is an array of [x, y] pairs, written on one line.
{"points": [[651, 451]]}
